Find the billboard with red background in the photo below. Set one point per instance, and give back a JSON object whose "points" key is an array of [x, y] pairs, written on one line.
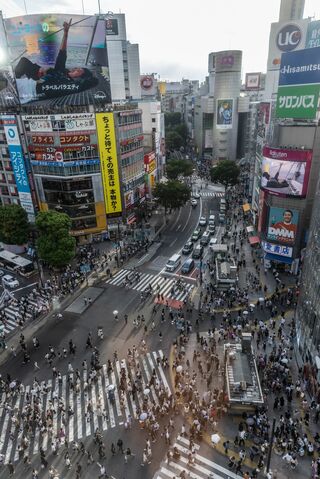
{"points": [[286, 172]]}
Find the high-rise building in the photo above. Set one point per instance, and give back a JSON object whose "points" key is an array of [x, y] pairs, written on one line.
{"points": [[291, 10]]}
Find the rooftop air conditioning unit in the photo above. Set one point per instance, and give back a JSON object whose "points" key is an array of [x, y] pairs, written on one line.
{"points": [[243, 385]]}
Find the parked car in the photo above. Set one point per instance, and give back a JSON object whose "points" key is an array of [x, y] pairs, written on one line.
{"points": [[203, 221], [195, 235], [197, 252], [187, 266], [205, 238], [188, 247], [10, 281], [194, 203]]}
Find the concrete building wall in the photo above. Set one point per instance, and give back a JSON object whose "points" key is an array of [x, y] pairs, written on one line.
{"points": [[134, 70]]}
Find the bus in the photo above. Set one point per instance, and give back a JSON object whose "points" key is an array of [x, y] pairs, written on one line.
{"points": [[16, 263]]}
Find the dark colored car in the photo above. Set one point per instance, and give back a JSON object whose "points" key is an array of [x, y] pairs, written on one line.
{"points": [[197, 252], [188, 247], [187, 266]]}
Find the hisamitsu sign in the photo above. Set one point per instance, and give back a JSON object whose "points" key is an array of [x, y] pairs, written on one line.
{"points": [[300, 67], [300, 101]]}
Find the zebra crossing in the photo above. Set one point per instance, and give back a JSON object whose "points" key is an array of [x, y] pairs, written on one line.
{"points": [[212, 194], [106, 414], [160, 284], [12, 313], [202, 468]]}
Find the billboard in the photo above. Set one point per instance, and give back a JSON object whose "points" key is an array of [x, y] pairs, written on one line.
{"points": [[224, 114], [19, 168], [297, 101], [285, 37], [300, 68], [286, 172], [282, 225], [109, 162], [61, 138], [253, 81], [313, 35], [59, 58], [148, 85], [228, 60], [278, 249], [112, 26]]}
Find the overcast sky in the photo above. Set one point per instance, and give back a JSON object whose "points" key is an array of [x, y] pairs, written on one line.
{"points": [[175, 36]]}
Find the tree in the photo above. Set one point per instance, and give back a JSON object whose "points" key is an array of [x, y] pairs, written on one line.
{"points": [[172, 194], [14, 226], [226, 172], [55, 245], [182, 130], [172, 119], [174, 141], [174, 168]]}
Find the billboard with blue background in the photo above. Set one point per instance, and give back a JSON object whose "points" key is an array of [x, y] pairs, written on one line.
{"points": [[300, 67]]}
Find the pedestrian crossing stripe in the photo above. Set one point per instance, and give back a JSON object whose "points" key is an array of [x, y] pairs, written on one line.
{"points": [[213, 194], [80, 424], [203, 468], [160, 284], [13, 314]]}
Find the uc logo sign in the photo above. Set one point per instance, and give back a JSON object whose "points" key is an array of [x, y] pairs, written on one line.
{"points": [[11, 133], [288, 38]]}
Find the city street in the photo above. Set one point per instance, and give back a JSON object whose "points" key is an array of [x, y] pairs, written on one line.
{"points": [[96, 390]]}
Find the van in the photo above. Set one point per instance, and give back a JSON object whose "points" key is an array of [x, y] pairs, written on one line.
{"points": [[222, 201], [197, 252], [173, 262], [212, 220], [187, 266]]}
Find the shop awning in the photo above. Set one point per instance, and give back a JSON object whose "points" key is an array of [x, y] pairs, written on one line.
{"points": [[254, 240], [250, 229], [278, 259], [246, 207]]}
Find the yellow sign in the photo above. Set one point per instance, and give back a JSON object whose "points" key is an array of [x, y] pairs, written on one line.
{"points": [[109, 162]]}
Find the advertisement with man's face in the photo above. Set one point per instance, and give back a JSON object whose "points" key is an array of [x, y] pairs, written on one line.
{"points": [[59, 58], [286, 172], [224, 114], [282, 225]]}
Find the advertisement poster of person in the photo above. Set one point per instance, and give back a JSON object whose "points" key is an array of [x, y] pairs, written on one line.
{"points": [[282, 225], [59, 58], [224, 114], [8, 91], [286, 172]]}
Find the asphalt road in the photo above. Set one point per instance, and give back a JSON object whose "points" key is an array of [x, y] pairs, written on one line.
{"points": [[118, 336]]}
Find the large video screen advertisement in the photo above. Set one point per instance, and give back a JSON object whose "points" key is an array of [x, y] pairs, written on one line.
{"points": [[286, 172], [282, 225], [59, 58]]}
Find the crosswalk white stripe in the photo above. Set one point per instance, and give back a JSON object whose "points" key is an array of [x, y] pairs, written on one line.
{"points": [[148, 375], [116, 395], [126, 409], [129, 397], [118, 277], [166, 288], [164, 379], [94, 405], [111, 414], [64, 399], [19, 436], [86, 401], [80, 415], [46, 407], [4, 430], [72, 417], [144, 282], [103, 405], [186, 442], [37, 433]]}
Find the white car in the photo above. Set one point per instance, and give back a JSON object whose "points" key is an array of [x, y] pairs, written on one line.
{"points": [[194, 202], [203, 221], [10, 281], [213, 241]]}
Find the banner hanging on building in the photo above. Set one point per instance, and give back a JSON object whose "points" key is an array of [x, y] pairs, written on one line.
{"points": [[18, 165], [277, 249], [313, 35], [282, 225], [109, 162], [298, 101], [224, 114]]}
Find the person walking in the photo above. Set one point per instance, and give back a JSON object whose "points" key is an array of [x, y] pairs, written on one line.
{"points": [[11, 468], [120, 445], [103, 472]]}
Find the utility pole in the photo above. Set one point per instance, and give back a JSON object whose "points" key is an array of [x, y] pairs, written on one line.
{"points": [[270, 446]]}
